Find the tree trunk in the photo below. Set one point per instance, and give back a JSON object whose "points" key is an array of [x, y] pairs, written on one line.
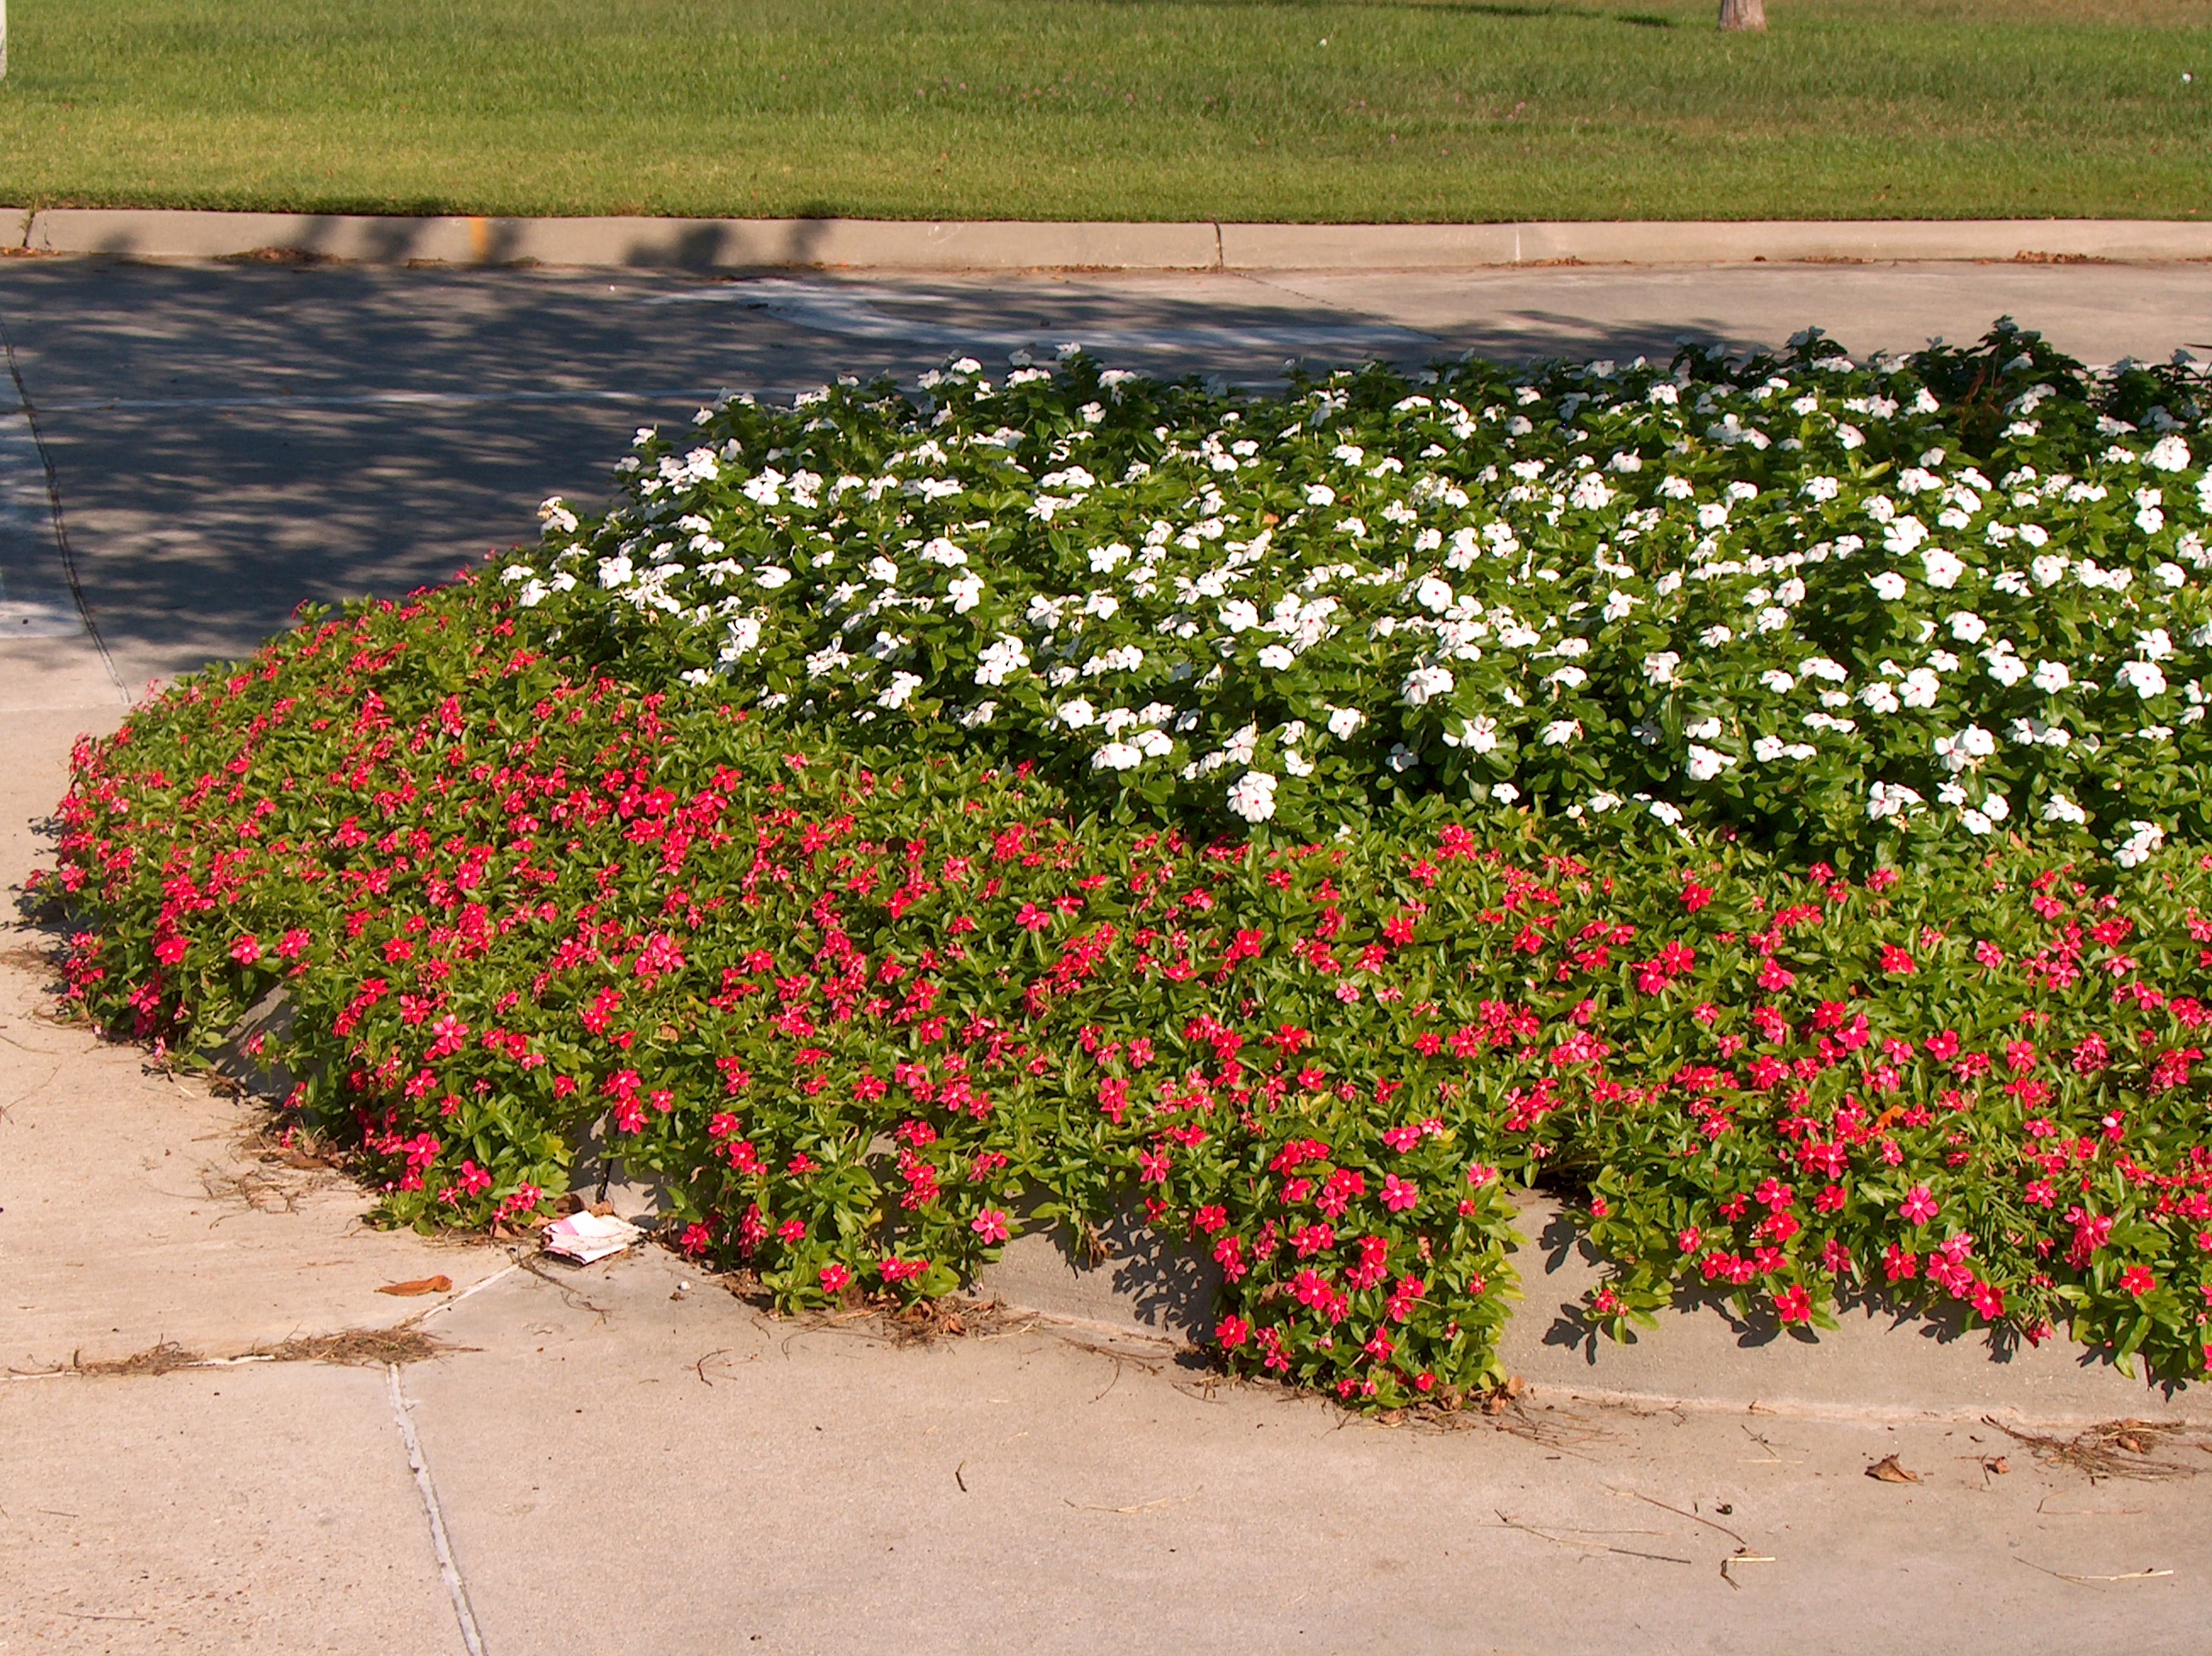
{"points": [[1743, 14]]}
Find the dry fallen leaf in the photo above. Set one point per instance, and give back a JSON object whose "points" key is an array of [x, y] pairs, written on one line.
{"points": [[1888, 1471], [421, 1285]]}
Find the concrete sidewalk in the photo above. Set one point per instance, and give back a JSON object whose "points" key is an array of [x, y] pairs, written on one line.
{"points": [[872, 245], [627, 1456]]}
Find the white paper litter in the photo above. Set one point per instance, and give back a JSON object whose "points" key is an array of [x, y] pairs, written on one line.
{"points": [[587, 1236]]}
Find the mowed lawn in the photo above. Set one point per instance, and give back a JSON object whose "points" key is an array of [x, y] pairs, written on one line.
{"points": [[1418, 109]]}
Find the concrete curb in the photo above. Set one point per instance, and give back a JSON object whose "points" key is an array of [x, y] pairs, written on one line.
{"points": [[732, 244]]}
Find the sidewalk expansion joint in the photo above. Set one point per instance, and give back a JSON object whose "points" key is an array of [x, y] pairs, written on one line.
{"points": [[456, 1589]]}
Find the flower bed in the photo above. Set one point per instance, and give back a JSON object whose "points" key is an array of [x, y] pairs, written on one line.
{"points": [[862, 976], [1806, 597]]}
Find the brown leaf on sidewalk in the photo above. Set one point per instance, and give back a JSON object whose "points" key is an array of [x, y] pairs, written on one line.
{"points": [[419, 1286], [1886, 1470]]}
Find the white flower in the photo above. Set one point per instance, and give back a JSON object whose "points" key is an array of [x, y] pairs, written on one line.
{"points": [[1704, 764], [1317, 494], [1879, 697], [2155, 645], [1921, 688], [2059, 808], [616, 571], [967, 593], [1572, 678], [1078, 713], [1659, 669], [1561, 731], [1888, 586], [1714, 637], [2141, 677], [1126, 756], [1003, 659], [1344, 723], [900, 691], [2004, 666], [1504, 792], [2141, 843], [743, 638], [1401, 759], [943, 552], [1239, 616], [1965, 749], [1590, 493], [1967, 627], [1275, 657], [1252, 796], [1944, 569], [1822, 490], [1423, 685], [1767, 749], [1476, 735], [2168, 453], [2052, 676], [1887, 799], [980, 714], [1778, 681], [1433, 595]]}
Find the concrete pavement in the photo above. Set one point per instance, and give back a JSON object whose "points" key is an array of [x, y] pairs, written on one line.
{"points": [[630, 1456]]}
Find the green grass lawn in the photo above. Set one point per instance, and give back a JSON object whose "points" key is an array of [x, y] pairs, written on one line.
{"points": [[1148, 109]]}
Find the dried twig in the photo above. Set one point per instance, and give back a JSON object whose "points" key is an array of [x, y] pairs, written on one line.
{"points": [[1161, 1505], [1695, 1518], [2093, 1580], [2124, 1448], [1590, 1546]]}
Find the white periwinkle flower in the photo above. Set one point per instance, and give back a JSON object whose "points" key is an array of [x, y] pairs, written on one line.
{"points": [[2059, 808], [1889, 798], [1888, 586], [2052, 676], [1003, 659], [1942, 568], [1424, 685], [2141, 845], [1252, 796], [2141, 677], [1344, 723], [2168, 453], [1124, 756], [1704, 764]]}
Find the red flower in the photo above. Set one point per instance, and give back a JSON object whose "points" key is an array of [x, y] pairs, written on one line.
{"points": [[1794, 1306], [2137, 1280], [246, 950], [1896, 961], [990, 1225]]}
